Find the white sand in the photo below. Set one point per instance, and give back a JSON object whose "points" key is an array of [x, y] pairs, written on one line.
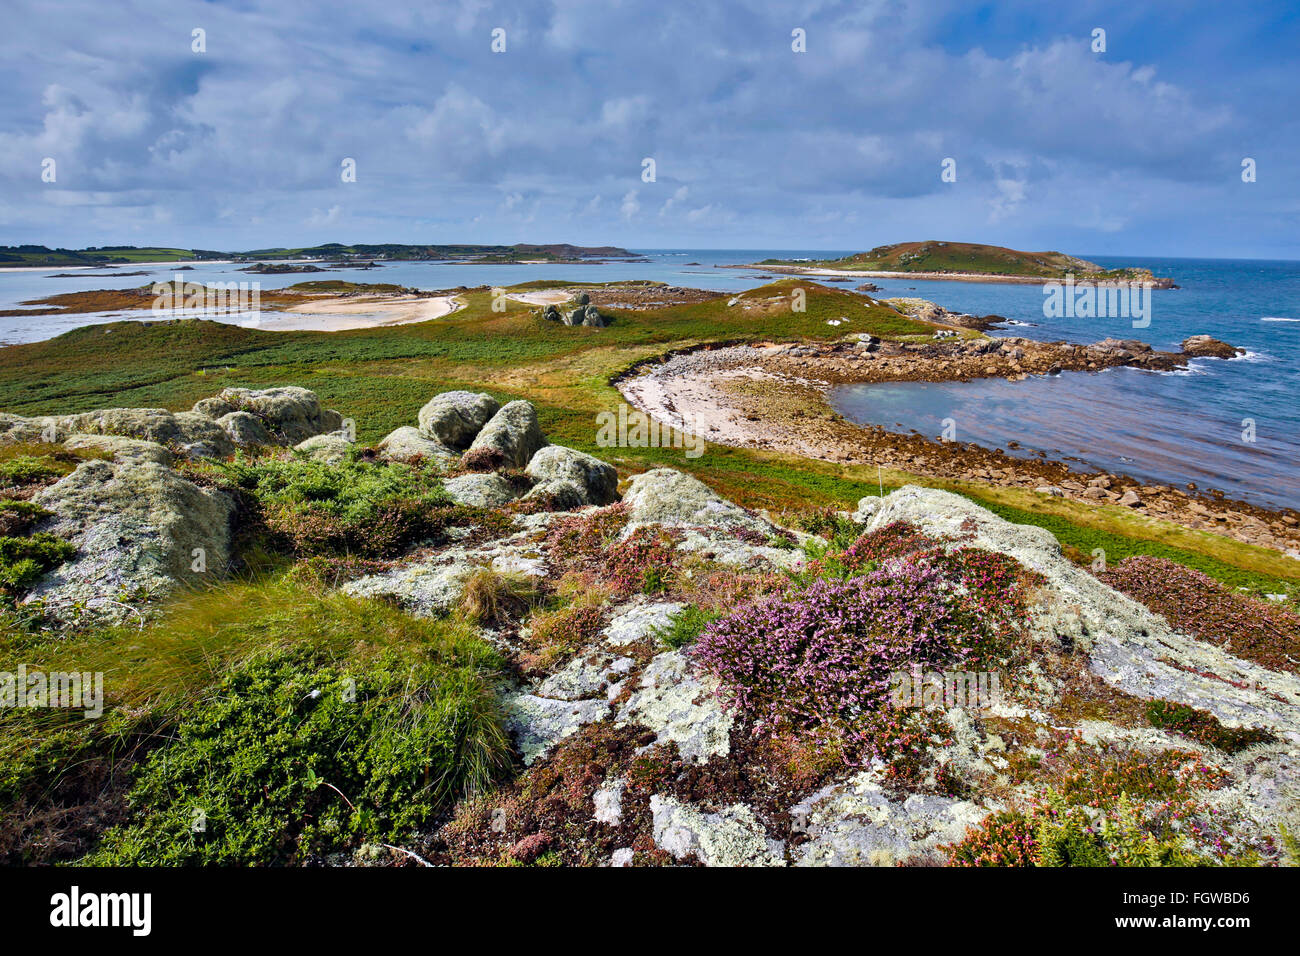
{"points": [[545, 297], [336, 314]]}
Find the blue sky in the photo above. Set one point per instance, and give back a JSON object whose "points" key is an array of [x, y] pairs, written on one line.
{"points": [[1136, 150]]}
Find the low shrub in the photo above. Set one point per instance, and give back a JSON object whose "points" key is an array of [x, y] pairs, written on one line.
{"points": [[685, 626], [819, 658], [1203, 727], [1196, 604], [24, 560], [371, 508], [299, 753]]}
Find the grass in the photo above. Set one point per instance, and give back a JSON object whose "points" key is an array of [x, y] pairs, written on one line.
{"points": [[205, 686]]}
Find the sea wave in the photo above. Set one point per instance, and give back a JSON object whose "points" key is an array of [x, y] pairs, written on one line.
{"points": [[1277, 318]]}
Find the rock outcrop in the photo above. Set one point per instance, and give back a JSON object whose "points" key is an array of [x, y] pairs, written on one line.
{"points": [[140, 529], [509, 439], [454, 418]]}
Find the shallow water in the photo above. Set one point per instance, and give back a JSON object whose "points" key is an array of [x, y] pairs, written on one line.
{"points": [[1168, 428]]}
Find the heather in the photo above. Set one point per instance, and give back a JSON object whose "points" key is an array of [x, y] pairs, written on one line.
{"points": [[819, 657], [1196, 604]]}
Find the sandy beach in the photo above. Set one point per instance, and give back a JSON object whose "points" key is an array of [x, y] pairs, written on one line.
{"points": [[758, 397], [337, 314]]}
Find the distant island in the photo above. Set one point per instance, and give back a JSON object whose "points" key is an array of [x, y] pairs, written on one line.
{"points": [[43, 256], [965, 261]]}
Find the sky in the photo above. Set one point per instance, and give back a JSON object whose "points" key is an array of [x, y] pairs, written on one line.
{"points": [[1135, 149]]}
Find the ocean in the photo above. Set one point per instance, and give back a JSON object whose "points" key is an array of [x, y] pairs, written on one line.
{"points": [[1231, 425]]}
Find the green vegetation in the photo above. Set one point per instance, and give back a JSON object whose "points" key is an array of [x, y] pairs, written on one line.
{"points": [[369, 508], [24, 560], [230, 703], [686, 626], [298, 754], [965, 257]]}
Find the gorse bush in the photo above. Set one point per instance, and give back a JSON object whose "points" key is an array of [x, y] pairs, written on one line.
{"points": [[299, 753], [370, 508]]}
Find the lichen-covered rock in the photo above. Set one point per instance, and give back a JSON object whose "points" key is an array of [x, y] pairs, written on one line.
{"points": [[597, 481], [291, 414], [433, 586], [180, 429], [856, 823], [608, 802], [244, 428], [480, 491], [407, 443], [454, 418], [331, 448], [668, 497], [118, 447], [424, 589], [679, 707], [639, 620], [733, 836], [587, 675], [1127, 645], [538, 723], [139, 528], [509, 440]]}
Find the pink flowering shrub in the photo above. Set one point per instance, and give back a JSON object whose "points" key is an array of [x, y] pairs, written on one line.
{"points": [[818, 658]]}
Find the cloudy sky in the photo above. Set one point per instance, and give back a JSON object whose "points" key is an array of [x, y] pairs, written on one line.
{"points": [[1136, 150]]}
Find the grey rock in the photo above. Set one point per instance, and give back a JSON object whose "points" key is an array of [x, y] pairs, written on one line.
{"points": [[596, 480], [137, 525], [639, 620], [732, 836], [608, 800], [510, 438], [132, 449], [538, 723], [667, 497], [289, 413], [480, 491], [407, 443], [331, 448], [680, 707], [856, 823], [244, 428], [454, 418]]}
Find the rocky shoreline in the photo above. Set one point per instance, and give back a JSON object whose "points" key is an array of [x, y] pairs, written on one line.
{"points": [[773, 396], [1156, 282]]}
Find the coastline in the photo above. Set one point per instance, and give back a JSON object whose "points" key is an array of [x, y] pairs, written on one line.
{"points": [[771, 397], [982, 277]]}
